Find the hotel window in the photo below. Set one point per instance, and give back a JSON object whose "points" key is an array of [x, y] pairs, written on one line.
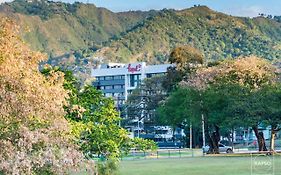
{"points": [[119, 77], [135, 80], [117, 87], [100, 78], [109, 78], [107, 87]]}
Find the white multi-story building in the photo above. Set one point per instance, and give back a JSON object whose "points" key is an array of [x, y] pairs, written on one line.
{"points": [[117, 80]]}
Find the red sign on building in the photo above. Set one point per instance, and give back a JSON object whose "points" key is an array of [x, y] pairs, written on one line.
{"points": [[131, 69]]}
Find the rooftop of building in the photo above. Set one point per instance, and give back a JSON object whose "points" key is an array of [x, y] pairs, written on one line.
{"points": [[130, 68]]}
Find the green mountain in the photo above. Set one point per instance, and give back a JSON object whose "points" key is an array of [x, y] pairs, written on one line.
{"points": [[217, 35], [58, 28], [76, 35]]}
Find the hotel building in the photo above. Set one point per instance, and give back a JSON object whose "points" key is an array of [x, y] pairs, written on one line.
{"points": [[118, 80]]}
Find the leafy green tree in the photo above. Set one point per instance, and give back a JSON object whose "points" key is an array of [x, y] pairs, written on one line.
{"points": [[222, 93], [93, 117], [188, 104], [270, 99], [250, 73], [143, 145], [95, 124]]}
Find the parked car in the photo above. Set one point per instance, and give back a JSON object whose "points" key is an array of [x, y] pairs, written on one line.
{"points": [[222, 149]]}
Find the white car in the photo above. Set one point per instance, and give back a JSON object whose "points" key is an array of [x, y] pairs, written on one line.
{"points": [[222, 149]]}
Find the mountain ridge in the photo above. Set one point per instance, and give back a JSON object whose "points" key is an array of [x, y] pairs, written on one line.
{"points": [[244, 35], [76, 36], [79, 25]]}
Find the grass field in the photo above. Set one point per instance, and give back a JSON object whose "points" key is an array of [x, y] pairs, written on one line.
{"points": [[250, 165]]}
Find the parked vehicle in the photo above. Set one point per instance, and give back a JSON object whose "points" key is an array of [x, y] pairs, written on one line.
{"points": [[222, 149]]}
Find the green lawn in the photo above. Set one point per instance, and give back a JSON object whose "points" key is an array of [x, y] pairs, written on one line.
{"points": [[203, 166]]}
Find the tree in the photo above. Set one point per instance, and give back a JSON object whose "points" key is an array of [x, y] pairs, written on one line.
{"points": [[173, 110], [187, 104], [270, 99], [172, 78], [250, 73], [222, 113], [34, 136], [186, 57], [146, 98], [227, 93], [179, 109], [95, 123], [101, 133], [93, 117], [253, 73]]}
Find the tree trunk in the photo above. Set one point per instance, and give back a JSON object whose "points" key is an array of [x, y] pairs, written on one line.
{"points": [[274, 130], [173, 138], [260, 138], [214, 139], [232, 139], [272, 140]]}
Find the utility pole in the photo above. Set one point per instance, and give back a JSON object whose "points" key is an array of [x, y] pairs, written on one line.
{"points": [[203, 130], [119, 108], [203, 123], [190, 136], [138, 127]]}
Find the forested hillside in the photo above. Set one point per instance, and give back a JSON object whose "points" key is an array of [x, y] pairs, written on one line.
{"points": [[74, 35], [217, 35], [58, 28]]}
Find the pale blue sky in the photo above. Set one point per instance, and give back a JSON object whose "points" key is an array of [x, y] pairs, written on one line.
{"points": [[233, 7]]}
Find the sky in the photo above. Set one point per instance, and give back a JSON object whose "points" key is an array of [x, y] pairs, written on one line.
{"points": [[248, 8]]}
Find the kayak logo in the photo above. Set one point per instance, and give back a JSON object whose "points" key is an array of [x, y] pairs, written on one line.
{"points": [[133, 69], [262, 164]]}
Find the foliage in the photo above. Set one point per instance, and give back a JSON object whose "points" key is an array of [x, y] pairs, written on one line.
{"points": [[216, 35], [271, 100], [53, 29], [109, 167], [143, 144], [251, 72], [185, 58], [94, 120], [146, 98], [172, 78], [175, 109], [226, 94], [34, 136], [53, 26]]}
